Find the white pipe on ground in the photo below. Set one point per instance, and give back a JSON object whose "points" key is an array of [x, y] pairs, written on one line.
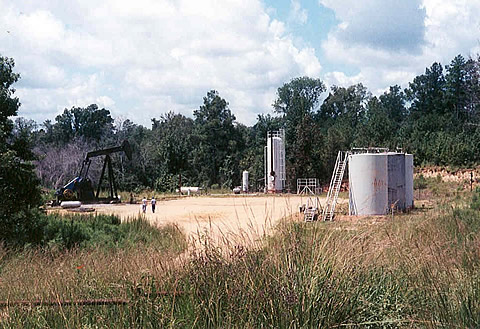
{"points": [[70, 204]]}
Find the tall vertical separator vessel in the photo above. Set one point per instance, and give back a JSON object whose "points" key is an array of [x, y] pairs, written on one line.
{"points": [[275, 162]]}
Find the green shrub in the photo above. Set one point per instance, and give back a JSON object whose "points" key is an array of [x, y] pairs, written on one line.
{"points": [[419, 182], [66, 232]]}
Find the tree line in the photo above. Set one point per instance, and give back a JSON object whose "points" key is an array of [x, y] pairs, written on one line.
{"points": [[436, 118]]}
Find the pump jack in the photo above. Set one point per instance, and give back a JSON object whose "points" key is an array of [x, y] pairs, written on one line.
{"points": [[82, 186]]}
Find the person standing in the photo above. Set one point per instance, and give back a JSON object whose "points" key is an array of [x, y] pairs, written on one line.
{"points": [[144, 204], [153, 202]]}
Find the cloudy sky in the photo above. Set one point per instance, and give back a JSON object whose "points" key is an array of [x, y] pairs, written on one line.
{"points": [[142, 58]]}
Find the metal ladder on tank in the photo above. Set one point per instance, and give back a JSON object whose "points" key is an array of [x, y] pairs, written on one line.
{"points": [[335, 184]]}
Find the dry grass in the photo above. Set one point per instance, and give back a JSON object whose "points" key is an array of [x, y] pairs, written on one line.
{"points": [[80, 274], [418, 270]]}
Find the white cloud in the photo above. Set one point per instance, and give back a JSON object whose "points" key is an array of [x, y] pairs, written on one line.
{"points": [[452, 27], [40, 103], [147, 57], [337, 78], [143, 58], [297, 13], [447, 28], [380, 24]]}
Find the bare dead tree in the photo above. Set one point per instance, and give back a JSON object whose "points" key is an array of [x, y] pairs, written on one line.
{"points": [[57, 165]]}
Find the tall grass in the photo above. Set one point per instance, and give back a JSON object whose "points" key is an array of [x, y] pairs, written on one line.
{"points": [[420, 270]]}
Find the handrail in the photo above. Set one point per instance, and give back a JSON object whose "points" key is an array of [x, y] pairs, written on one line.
{"points": [[329, 193], [337, 190], [333, 189]]}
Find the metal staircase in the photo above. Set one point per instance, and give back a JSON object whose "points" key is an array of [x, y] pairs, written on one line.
{"points": [[335, 184], [312, 209], [309, 214]]}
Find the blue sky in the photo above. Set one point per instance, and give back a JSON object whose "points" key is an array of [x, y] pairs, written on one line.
{"points": [[142, 58], [319, 21], [314, 24]]}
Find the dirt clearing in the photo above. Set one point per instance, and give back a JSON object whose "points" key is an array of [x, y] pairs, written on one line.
{"points": [[235, 218]]}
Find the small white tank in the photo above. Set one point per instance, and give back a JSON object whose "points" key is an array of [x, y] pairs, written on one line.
{"points": [[245, 181], [70, 204]]}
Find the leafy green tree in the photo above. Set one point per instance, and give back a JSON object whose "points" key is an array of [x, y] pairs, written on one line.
{"points": [[428, 113], [442, 120], [23, 137], [91, 123], [393, 101], [298, 98], [426, 92], [378, 128], [342, 115], [19, 186], [8, 103], [173, 134], [214, 133], [383, 118], [172, 150], [345, 105], [138, 173], [298, 101], [456, 87], [472, 71], [19, 198], [231, 170]]}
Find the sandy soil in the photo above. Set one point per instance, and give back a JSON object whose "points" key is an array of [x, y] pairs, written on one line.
{"points": [[235, 218], [458, 175]]}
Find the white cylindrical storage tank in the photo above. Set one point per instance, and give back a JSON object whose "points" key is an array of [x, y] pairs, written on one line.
{"points": [[380, 182], [368, 176], [245, 181], [409, 181], [274, 160]]}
